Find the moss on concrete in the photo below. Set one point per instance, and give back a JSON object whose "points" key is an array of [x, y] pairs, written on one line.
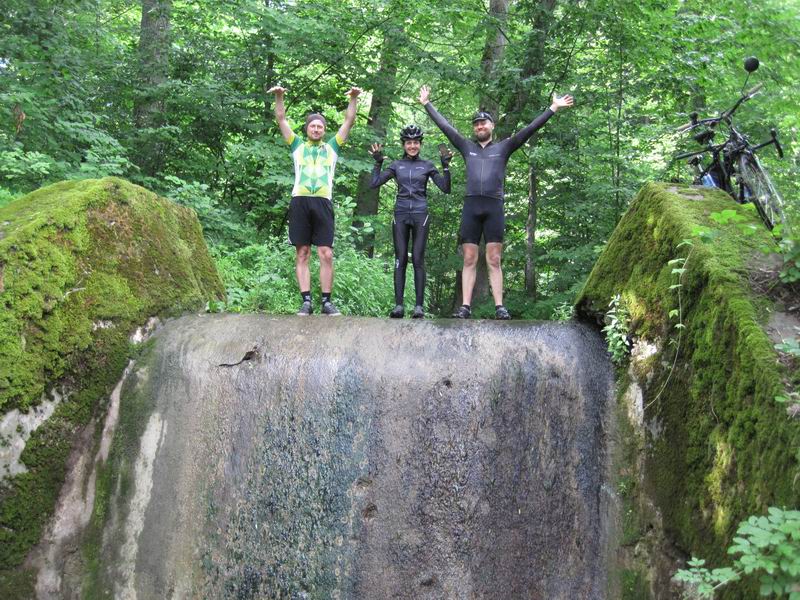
{"points": [[724, 448], [82, 264]]}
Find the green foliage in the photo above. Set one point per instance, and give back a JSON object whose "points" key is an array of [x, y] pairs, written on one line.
{"points": [[790, 251], [790, 346], [617, 330], [69, 85], [767, 546], [563, 312], [220, 224], [261, 277]]}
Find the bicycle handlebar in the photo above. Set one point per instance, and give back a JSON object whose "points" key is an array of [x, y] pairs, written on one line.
{"points": [[747, 96], [755, 89], [714, 120]]}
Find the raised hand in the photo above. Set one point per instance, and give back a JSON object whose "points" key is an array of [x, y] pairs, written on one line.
{"points": [[353, 92], [562, 102], [277, 90], [376, 150], [445, 155], [424, 94]]}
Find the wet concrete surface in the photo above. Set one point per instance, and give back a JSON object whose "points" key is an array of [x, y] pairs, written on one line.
{"points": [[369, 459]]}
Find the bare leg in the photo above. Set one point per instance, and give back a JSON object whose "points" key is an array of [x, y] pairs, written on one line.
{"points": [[494, 252], [325, 254], [301, 268], [468, 272]]}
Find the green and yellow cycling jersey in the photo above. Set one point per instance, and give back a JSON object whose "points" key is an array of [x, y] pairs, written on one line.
{"points": [[314, 164]]}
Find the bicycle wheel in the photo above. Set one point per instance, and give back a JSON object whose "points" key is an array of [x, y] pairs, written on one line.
{"points": [[757, 187]]}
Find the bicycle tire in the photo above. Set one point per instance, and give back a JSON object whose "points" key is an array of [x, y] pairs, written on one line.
{"points": [[757, 187]]}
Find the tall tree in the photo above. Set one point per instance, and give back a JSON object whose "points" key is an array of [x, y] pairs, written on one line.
{"points": [[529, 85], [154, 45], [493, 52], [383, 88]]}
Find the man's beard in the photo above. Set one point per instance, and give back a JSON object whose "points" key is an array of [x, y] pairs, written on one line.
{"points": [[483, 136]]}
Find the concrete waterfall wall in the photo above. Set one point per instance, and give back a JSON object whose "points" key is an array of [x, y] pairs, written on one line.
{"points": [[280, 457]]}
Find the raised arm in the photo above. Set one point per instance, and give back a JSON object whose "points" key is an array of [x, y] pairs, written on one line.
{"points": [[379, 177], [451, 132], [350, 113], [524, 134], [442, 181], [280, 113]]}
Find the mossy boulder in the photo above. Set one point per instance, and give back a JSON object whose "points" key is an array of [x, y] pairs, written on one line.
{"points": [[82, 265], [719, 447]]}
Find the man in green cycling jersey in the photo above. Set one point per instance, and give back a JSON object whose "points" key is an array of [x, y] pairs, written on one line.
{"points": [[311, 209]]}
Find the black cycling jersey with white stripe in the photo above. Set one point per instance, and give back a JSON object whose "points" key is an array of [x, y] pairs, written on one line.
{"points": [[412, 176], [486, 165]]}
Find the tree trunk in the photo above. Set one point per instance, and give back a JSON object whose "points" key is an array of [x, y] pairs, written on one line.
{"points": [[516, 112], [380, 111], [493, 52], [268, 75], [148, 110], [530, 233]]}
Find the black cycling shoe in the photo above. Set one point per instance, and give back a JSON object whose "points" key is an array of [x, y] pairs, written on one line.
{"points": [[462, 312], [305, 309], [418, 312], [329, 308], [397, 312], [501, 313]]}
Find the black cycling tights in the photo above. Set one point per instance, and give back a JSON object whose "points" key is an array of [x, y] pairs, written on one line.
{"points": [[403, 227]]}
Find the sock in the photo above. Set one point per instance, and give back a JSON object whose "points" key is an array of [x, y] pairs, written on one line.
{"points": [[326, 297], [306, 296], [496, 306], [467, 305]]}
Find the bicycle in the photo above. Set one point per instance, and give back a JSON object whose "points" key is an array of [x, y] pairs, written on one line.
{"points": [[734, 166]]}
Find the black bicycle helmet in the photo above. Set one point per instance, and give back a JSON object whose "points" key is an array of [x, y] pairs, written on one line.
{"points": [[411, 132], [483, 115]]}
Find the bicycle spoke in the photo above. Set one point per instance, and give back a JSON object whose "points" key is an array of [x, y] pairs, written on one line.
{"points": [[758, 188]]}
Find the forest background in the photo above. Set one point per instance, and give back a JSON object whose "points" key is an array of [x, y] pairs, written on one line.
{"points": [[171, 95]]}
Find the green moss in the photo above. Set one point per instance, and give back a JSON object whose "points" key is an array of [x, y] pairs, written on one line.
{"points": [[82, 264], [18, 584], [726, 450], [634, 585]]}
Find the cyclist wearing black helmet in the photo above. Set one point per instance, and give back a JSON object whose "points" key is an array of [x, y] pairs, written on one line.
{"points": [[483, 213], [410, 211]]}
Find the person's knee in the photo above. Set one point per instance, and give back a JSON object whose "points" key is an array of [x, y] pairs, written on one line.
{"points": [[470, 256], [303, 254], [325, 254], [493, 260]]}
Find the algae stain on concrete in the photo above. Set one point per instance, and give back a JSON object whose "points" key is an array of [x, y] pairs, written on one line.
{"points": [[153, 437]]}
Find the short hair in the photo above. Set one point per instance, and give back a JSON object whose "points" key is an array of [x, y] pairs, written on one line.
{"points": [[315, 117]]}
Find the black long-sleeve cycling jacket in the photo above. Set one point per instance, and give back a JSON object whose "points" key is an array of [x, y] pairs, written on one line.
{"points": [[412, 176], [486, 165]]}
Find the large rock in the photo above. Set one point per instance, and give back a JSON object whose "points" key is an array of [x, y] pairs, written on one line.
{"points": [[705, 374], [82, 265], [288, 457]]}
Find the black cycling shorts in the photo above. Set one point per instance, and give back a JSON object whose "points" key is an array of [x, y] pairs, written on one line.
{"points": [[482, 216], [310, 221]]}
